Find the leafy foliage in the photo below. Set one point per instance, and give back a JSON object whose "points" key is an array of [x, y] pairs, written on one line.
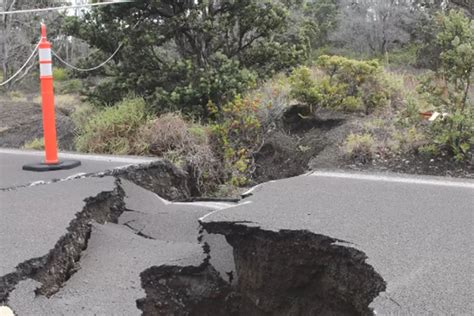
{"points": [[360, 147], [238, 134], [348, 85], [60, 74], [185, 54], [114, 130], [448, 89], [35, 144]]}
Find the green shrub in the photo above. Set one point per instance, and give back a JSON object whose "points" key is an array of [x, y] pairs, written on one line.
{"points": [[275, 99], [403, 57], [82, 115], [348, 85], [411, 139], [448, 89], [35, 144], [107, 92], [114, 129], [360, 148], [454, 134], [60, 74], [70, 86], [198, 86], [409, 114], [430, 150], [237, 134]]}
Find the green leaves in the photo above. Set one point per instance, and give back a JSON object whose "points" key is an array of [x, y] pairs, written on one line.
{"points": [[340, 83], [184, 54], [448, 88]]}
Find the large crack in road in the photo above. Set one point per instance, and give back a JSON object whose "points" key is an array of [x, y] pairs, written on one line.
{"points": [[56, 267], [277, 273], [131, 251]]}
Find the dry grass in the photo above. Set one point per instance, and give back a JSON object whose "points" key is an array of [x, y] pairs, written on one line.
{"points": [[360, 147], [185, 144], [35, 144]]}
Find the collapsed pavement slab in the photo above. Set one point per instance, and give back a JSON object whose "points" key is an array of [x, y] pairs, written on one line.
{"points": [[108, 281], [45, 227], [416, 234], [83, 257], [151, 216]]}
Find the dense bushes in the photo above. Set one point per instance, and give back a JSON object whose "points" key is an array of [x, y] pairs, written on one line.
{"points": [[447, 90], [128, 128], [200, 52], [222, 152], [360, 147], [187, 145], [194, 87], [114, 130], [345, 84], [238, 134]]}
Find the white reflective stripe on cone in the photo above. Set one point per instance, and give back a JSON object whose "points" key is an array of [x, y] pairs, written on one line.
{"points": [[46, 70], [45, 54]]}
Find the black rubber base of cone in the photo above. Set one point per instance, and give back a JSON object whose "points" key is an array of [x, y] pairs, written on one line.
{"points": [[62, 165]]}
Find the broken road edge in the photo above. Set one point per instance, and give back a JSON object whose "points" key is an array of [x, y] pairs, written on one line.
{"points": [[278, 272]]}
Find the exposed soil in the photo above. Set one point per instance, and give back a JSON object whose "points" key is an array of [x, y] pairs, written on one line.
{"points": [[303, 142], [21, 122], [54, 268], [279, 273]]}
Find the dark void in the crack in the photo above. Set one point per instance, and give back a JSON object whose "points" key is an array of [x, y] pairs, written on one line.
{"points": [[279, 273], [56, 267]]}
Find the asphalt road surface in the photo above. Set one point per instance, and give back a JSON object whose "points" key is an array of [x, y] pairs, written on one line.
{"points": [[416, 231], [12, 161], [36, 212], [108, 281]]}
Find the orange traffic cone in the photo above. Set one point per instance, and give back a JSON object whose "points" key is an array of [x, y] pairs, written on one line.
{"points": [[51, 161]]}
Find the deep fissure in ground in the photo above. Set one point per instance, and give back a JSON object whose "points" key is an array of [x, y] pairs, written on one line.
{"points": [[54, 268], [279, 273]]}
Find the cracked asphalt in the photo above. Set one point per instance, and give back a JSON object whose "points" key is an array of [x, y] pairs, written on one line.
{"points": [[151, 231], [12, 160], [416, 232]]}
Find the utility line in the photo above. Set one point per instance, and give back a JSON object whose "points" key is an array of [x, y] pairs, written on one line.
{"points": [[22, 67], [65, 7], [87, 69]]}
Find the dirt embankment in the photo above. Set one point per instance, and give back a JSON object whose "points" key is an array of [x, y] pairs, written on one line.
{"points": [[278, 273], [21, 122], [302, 142]]}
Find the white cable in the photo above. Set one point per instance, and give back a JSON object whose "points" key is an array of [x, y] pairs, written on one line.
{"points": [[22, 67], [65, 7], [87, 69]]}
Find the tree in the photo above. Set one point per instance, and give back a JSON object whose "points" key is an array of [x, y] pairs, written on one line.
{"points": [[375, 27], [321, 16], [19, 33], [428, 27], [449, 88], [187, 54]]}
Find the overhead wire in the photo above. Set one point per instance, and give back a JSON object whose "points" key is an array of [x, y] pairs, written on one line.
{"points": [[87, 69], [22, 67], [53, 52], [64, 7]]}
